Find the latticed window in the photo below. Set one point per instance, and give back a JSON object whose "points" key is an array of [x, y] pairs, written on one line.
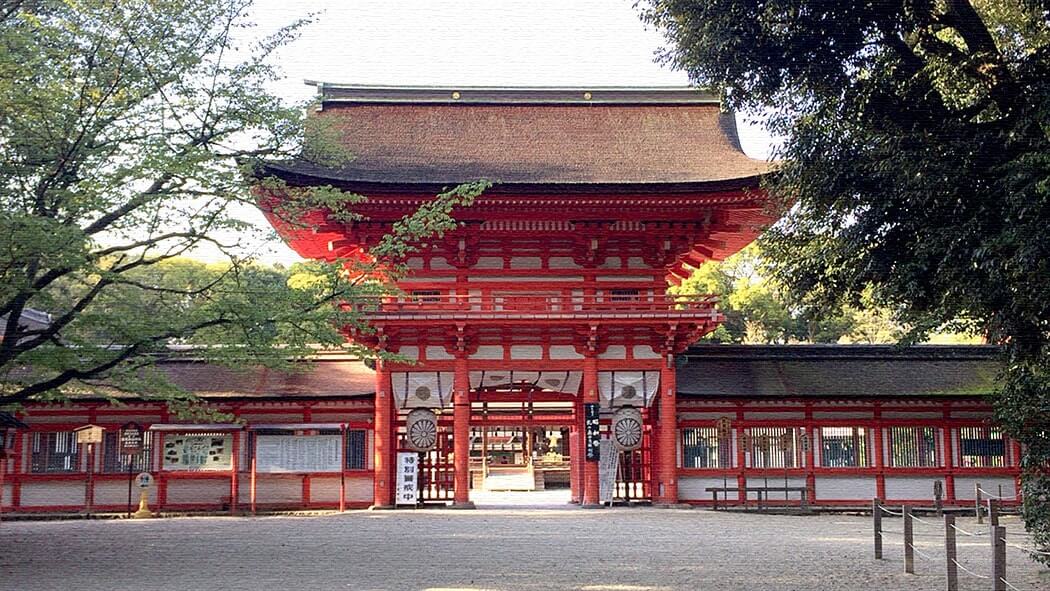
{"points": [[356, 449], [773, 447], [703, 448], [54, 452], [114, 461], [982, 447], [844, 447], [912, 447], [624, 295]]}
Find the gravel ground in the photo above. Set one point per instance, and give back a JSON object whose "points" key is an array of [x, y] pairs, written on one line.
{"points": [[620, 549]]}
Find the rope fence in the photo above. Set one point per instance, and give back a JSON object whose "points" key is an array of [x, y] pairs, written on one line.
{"points": [[996, 535]]}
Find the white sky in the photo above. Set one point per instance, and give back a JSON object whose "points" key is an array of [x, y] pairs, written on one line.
{"points": [[470, 43]]}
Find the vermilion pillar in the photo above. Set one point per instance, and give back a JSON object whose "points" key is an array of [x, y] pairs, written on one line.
{"points": [[666, 437], [461, 433], [384, 445], [590, 394]]}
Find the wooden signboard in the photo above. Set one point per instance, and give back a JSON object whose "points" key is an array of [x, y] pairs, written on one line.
{"points": [[130, 440], [89, 434]]}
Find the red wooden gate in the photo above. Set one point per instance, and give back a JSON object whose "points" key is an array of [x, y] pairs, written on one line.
{"points": [[436, 475]]}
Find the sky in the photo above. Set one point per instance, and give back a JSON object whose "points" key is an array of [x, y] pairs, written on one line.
{"points": [[469, 43]]}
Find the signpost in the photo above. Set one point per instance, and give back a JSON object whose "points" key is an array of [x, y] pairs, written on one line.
{"points": [[724, 427], [130, 446], [407, 478], [89, 435], [592, 433]]}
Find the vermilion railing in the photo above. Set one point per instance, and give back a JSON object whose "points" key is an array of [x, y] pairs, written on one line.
{"points": [[536, 303]]}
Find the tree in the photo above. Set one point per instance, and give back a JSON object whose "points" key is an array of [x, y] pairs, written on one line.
{"points": [[129, 132], [915, 166]]}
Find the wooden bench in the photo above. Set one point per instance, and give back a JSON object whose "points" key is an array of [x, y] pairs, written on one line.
{"points": [[761, 492]]}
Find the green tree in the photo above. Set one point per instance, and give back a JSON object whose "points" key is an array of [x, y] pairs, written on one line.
{"points": [[915, 164], [128, 134]]}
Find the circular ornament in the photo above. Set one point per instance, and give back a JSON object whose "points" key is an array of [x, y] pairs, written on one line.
{"points": [[627, 429], [421, 429]]}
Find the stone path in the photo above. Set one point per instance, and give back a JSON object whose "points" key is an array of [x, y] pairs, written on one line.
{"points": [[620, 549]]}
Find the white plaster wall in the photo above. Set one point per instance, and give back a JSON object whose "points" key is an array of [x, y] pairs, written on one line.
{"points": [[562, 263], [564, 352], [964, 486], [526, 352], [409, 351], [202, 491], [645, 352], [440, 264], [526, 262], [488, 352], [269, 489], [115, 492], [437, 352], [845, 488], [911, 487], [693, 488], [43, 494], [614, 352]]}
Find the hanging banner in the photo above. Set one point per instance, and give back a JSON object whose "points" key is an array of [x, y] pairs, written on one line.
{"points": [[407, 474], [592, 431], [607, 468]]}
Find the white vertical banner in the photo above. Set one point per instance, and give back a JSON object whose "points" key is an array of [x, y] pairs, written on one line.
{"points": [[407, 474], [608, 464]]}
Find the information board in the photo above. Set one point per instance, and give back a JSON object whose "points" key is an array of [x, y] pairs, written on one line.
{"points": [[608, 464], [407, 484], [198, 452], [592, 430], [297, 453]]}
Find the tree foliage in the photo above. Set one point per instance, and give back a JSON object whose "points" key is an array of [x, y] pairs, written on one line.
{"points": [[128, 132], [760, 310], [916, 166]]}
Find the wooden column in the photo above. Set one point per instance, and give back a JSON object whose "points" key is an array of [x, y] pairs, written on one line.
{"points": [[666, 467], [461, 432], [879, 456], [590, 394], [235, 476], [385, 445]]}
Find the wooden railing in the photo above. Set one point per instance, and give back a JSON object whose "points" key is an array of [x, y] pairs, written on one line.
{"points": [[542, 304]]}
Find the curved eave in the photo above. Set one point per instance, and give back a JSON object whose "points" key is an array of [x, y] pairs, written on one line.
{"points": [[301, 178]]}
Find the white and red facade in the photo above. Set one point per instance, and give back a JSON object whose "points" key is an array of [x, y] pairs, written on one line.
{"points": [[552, 294]]}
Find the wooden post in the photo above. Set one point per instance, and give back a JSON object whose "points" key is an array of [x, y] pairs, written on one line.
{"points": [[998, 534], [876, 518], [909, 549], [950, 554], [251, 485], [993, 512], [977, 502], [938, 497], [461, 432], [384, 444], [235, 472], [590, 395], [667, 435], [342, 468]]}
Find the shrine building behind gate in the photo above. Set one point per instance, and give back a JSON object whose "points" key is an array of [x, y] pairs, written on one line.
{"points": [[548, 303]]}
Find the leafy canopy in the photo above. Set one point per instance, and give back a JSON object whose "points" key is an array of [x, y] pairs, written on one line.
{"points": [[127, 134], [915, 166]]}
